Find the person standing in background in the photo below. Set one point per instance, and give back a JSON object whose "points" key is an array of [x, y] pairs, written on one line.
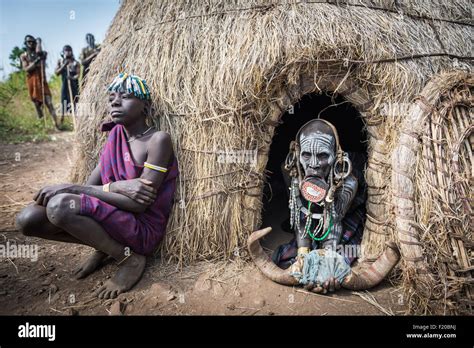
{"points": [[69, 69], [33, 61], [88, 54]]}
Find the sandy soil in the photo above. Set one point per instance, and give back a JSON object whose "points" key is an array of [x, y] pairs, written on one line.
{"points": [[45, 285]]}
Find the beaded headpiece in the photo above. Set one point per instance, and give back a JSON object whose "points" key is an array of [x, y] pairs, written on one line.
{"points": [[131, 84]]}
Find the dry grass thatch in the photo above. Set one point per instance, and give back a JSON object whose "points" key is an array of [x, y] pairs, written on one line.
{"points": [[223, 73], [431, 180]]}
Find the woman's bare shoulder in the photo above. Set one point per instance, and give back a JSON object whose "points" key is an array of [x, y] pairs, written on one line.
{"points": [[159, 139], [160, 135]]}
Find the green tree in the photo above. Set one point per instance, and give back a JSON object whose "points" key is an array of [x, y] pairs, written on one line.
{"points": [[15, 57]]}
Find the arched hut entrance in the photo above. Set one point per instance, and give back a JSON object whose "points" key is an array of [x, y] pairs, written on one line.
{"points": [[427, 207], [353, 137], [339, 82]]}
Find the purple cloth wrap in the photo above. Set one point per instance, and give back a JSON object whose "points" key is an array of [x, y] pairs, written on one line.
{"points": [[142, 232]]}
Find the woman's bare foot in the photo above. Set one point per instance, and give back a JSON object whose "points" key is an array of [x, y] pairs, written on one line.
{"points": [[90, 265], [127, 276]]}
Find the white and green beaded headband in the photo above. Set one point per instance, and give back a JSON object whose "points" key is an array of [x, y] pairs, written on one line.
{"points": [[132, 84]]}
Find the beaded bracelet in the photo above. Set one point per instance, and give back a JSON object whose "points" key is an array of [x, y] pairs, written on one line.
{"points": [[157, 168]]}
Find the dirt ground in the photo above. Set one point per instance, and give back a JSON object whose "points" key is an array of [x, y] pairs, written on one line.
{"points": [[45, 286]]}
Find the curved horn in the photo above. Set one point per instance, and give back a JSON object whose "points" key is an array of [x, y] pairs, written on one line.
{"points": [[368, 277], [263, 261], [358, 279]]}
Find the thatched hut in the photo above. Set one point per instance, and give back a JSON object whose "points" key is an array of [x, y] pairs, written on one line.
{"points": [[223, 76]]}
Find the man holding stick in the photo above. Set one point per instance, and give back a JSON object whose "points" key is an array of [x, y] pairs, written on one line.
{"points": [[33, 62]]}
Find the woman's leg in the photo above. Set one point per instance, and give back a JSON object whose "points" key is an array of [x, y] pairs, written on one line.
{"points": [[63, 211], [32, 221]]}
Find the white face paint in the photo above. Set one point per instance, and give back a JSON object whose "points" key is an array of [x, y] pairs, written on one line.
{"points": [[317, 153]]}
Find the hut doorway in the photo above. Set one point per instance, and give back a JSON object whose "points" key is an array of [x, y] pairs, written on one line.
{"points": [[353, 138]]}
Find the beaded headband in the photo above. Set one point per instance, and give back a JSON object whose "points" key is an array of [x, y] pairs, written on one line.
{"points": [[132, 84]]}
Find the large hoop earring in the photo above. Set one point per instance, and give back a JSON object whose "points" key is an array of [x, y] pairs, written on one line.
{"points": [[346, 169]]}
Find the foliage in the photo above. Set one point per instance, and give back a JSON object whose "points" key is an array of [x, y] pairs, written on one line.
{"points": [[18, 119], [15, 57]]}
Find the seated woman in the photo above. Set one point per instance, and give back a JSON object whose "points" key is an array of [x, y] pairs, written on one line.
{"points": [[123, 208]]}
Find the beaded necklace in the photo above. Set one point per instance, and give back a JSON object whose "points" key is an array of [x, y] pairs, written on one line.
{"points": [[324, 222]]}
